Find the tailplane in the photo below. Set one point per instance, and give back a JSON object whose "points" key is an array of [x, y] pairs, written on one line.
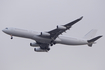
{"points": [[90, 37], [91, 41]]}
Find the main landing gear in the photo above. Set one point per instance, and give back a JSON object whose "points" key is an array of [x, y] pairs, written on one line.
{"points": [[53, 43]]}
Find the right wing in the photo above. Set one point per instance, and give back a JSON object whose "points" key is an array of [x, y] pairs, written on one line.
{"points": [[56, 32]]}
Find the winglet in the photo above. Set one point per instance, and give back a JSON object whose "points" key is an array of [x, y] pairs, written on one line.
{"points": [[81, 17]]}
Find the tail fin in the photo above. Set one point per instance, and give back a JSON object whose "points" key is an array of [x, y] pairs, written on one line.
{"points": [[91, 41], [90, 34]]}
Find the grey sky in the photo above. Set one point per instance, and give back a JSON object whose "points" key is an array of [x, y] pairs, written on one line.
{"points": [[45, 15]]}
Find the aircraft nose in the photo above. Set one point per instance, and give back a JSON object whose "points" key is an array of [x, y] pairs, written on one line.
{"points": [[3, 30]]}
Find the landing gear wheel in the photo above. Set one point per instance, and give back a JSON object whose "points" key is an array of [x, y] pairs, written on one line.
{"points": [[48, 49], [11, 37], [51, 44]]}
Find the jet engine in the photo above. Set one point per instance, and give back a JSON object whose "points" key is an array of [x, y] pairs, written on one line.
{"points": [[61, 27], [44, 34], [34, 44], [40, 50]]}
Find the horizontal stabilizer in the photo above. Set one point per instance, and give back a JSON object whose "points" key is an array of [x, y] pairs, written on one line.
{"points": [[93, 40]]}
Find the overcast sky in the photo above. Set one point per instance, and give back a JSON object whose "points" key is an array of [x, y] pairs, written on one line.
{"points": [[45, 15]]}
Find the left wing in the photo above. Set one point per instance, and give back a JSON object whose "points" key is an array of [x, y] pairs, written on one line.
{"points": [[60, 29]]}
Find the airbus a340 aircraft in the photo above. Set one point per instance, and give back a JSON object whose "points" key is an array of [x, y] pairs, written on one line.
{"points": [[45, 39]]}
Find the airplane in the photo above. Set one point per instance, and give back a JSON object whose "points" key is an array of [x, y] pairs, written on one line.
{"points": [[43, 40]]}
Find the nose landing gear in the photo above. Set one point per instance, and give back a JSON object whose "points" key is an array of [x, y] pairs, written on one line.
{"points": [[11, 37]]}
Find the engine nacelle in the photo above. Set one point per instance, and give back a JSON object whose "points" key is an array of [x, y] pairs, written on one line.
{"points": [[40, 50], [34, 44], [61, 27], [44, 34]]}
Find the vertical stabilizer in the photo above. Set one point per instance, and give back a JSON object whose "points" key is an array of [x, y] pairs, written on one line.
{"points": [[90, 34]]}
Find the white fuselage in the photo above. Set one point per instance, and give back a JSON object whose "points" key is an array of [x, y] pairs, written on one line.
{"points": [[36, 36]]}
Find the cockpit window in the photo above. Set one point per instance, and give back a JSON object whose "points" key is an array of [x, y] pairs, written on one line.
{"points": [[6, 28]]}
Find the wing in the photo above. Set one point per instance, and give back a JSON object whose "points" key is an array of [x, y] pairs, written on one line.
{"points": [[44, 47], [56, 32]]}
